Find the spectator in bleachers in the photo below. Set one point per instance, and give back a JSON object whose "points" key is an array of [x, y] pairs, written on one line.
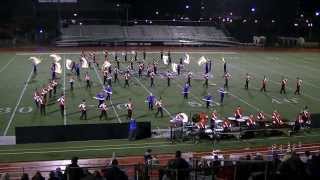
{"points": [[292, 168], [181, 165], [114, 172], [25, 176], [73, 170], [58, 174], [38, 176]]}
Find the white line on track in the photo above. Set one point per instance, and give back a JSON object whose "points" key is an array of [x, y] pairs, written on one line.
{"points": [[100, 80], [64, 92], [95, 149], [5, 66], [18, 103]]}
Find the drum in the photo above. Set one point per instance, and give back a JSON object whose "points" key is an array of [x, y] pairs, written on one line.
{"points": [[232, 118], [240, 120], [245, 117], [208, 131]]}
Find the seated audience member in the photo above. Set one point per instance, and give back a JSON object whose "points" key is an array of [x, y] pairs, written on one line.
{"points": [[25, 176], [73, 170]]}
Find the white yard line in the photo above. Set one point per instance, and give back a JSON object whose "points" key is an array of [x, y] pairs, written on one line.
{"points": [[18, 103], [64, 92], [5, 66], [100, 80], [151, 92]]}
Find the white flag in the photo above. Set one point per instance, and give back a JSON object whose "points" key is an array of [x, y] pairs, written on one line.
{"points": [[202, 60], [106, 64], [55, 57], [165, 59], [58, 68], [69, 64], [186, 59], [223, 60], [174, 67], [35, 60], [84, 63]]}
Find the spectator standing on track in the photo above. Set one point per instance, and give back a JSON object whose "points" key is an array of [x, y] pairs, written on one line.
{"points": [[180, 165], [38, 176], [73, 171], [114, 172]]}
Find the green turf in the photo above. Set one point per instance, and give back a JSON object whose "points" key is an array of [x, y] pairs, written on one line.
{"points": [[15, 69]]}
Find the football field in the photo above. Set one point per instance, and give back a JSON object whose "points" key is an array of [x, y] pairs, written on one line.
{"points": [[18, 84]]}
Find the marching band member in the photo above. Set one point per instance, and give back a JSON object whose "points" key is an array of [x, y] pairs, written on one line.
{"points": [[169, 58], [126, 78], [208, 100], [181, 61], [161, 55], [202, 121], [83, 110], [42, 102], [221, 92], [185, 91], [224, 66], [226, 125], [108, 90], [71, 81], [131, 64], [214, 117], [238, 113], [53, 71], [251, 122], [115, 75], [118, 63], [159, 107], [264, 84], [54, 85], [150, 100], [34, 65], [306, 116], [248, 78], [179, 69], [152, 74], [155, 67], [135, 56], [276, 118], [206, 78], [144, 55], [35, 97], [129, 108], [109, 79], [189, 75], [44, 92], [87, 79], [103, 108], [141, 67], [77, 69], [100, 97], [50, 88], [226, 77], [61, 101], [283, 85], [206, 67], [298, 86], [260, 118], [149, 69], [105, 74], [94, 59], [210, 63], [169, 76], [126, 56]]}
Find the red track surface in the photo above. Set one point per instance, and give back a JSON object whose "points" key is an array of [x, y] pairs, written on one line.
{"points": [[47, 166]]}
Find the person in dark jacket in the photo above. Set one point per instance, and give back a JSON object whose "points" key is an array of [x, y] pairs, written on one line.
{"points": [[179, 165], [114, 172], [73, 171]]}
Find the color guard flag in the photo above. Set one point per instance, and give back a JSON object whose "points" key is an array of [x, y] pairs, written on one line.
{"points": [[35, 60], [165, 59], [69, 64], [55, 57], [186, 58], [58, 68], [106, 64], [223, 60], [84, 63], [202, 60], [174, 67]]}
